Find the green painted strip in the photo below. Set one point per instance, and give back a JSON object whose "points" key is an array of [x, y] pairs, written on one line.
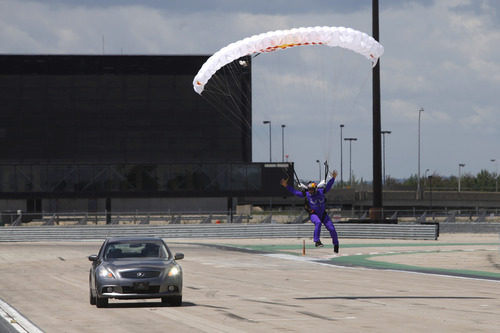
{"points": [[363, 260]]}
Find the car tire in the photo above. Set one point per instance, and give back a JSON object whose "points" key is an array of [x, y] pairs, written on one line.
{"points": [[92, 298], [172, 300], [101, 302]]}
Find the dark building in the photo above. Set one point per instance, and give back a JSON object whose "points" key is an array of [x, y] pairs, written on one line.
{"points": [[83, 132]]}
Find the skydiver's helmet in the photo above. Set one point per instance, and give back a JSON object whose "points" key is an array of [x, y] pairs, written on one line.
{"points": [[311, 187]]}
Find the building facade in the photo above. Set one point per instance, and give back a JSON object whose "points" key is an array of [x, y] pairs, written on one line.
{"points": [[118, 133]]}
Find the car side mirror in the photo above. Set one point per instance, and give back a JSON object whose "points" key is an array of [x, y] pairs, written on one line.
{"points": [[179, 256], [93, 257]]}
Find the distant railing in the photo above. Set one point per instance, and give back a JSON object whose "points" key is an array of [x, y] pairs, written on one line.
{"points": [[257, 231], [18, 218]]}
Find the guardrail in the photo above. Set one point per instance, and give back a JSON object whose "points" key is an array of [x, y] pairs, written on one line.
{"points": [[100, 232], [287, 216]]}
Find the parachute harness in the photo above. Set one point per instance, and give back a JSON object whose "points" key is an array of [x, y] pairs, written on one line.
{"points": [[303, 188]]}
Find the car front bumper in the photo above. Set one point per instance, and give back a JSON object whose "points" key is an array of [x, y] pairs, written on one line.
{"points": [[137, 289]]}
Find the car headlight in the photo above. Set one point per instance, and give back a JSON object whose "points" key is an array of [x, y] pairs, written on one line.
{"points": [[106, 273], [174, 271]]}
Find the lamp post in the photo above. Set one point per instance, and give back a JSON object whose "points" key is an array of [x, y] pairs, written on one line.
{"points": [[319, 168], [418, 174], [496, 174], [425, 178], [341, 163], [283, 142], [269, 122], [383, 151], [460, 166], [350, 156], [430, 185]]}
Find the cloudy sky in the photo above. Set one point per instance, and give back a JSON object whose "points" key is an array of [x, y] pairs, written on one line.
{"points": [[441, 56]]}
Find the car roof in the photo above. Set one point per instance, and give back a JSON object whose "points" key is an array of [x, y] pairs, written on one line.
{"points": [[128, 239]]}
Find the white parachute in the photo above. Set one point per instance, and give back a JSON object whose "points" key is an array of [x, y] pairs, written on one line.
{"points": [[348, 38]]}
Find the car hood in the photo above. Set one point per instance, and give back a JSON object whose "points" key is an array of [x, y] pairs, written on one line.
{"points": [[138, 264]]}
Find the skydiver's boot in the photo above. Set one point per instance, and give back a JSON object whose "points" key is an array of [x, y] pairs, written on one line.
{"points": [[318, 244], [336, 248]]}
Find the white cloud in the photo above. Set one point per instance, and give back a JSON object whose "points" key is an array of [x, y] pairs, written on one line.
{"points": [[483, 118]]}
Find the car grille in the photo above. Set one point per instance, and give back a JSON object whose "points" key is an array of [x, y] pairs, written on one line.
{"points": [[140, 274], [149, 290]]}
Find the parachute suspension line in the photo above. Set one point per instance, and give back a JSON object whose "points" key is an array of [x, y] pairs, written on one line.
{"points": [[354, 86], [234, 98], [232, 116], [296, 177], [218, 94], [328, 101], [367, 78], [213, 98], [326, 169], [232, 120], [240, 90], [336, 95], [232, 84]]}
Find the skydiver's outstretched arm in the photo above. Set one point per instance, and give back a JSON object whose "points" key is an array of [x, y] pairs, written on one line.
{"points": [[284, 183], [331, 181]]}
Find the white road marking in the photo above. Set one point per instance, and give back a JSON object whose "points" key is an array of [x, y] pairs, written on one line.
{"points": [[16, 320]]}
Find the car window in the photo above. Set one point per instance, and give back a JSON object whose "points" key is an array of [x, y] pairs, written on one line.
{"points": [[124, 250]]}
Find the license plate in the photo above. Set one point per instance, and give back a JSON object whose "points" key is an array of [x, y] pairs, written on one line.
{"points": [[141, 286]]}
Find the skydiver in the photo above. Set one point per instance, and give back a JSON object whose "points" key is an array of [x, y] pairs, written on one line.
{"points": [[315, 206]]}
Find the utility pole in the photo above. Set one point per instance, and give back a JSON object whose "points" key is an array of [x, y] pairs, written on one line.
{"points": [[377, 154], [341, 162], [460, 166], [383, 153], [283, 142], [418, 168], [350, 156], [270, 145]]}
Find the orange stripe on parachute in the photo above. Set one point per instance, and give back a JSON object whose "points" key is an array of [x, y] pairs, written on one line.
{"points": [[285, 46]]}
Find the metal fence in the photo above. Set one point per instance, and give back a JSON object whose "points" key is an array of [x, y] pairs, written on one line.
{"points": [[11, 218], [100, 232]]}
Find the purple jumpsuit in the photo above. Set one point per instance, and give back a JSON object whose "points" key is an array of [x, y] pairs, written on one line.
{"points": [[318, 214]]}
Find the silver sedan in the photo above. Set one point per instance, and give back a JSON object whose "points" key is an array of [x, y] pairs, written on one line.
{"points": [[135, 268]]}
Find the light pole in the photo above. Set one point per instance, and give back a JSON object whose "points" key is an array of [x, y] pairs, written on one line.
{"points": [[350, 156], [269, 122], [418, 174], [341, 163], [383, 151], [430, 185], [496, 174], [319, 168], [425, 178], [460, 166], [283, 142]]}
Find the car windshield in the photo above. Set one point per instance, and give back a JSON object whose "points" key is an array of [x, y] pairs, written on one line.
{"points": [[135, 249]]}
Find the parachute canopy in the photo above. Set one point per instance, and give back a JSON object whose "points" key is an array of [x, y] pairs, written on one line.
{"points": [[348, 38]]}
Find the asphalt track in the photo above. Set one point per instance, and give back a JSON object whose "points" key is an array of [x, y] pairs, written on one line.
{"points": [[448, 285]]}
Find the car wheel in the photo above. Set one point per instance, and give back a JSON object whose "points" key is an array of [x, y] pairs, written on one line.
{"points": [[172, 300], [92, 297], [101, 302]]}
